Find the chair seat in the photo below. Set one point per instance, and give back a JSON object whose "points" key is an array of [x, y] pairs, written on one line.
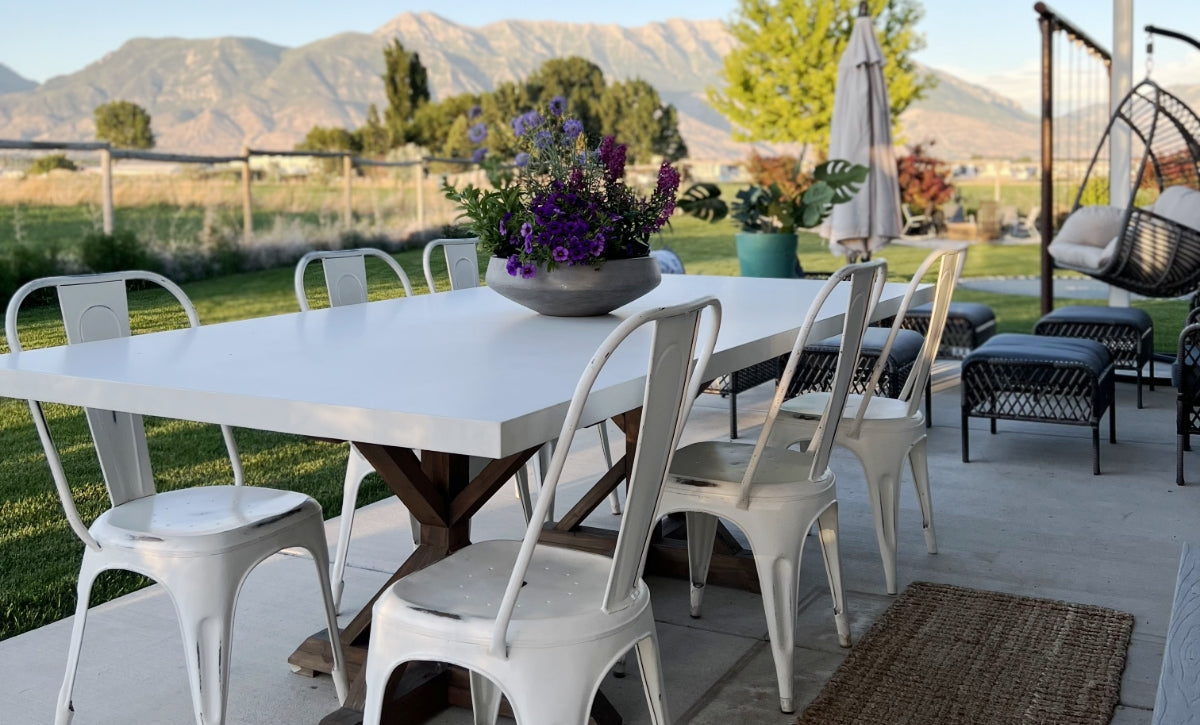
{"points": [[1021, 348], [201, 520], [716, 468], [1093, 314], [812, 405], [457, 598], [904, 350]]}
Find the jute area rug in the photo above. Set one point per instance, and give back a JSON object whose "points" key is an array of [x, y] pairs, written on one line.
{"points": [[943, 654]]}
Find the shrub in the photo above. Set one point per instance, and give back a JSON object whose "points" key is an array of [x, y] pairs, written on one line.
{"points": [[114, 252], [783, 171], [22, 263], [924, 180], [46, 164]]}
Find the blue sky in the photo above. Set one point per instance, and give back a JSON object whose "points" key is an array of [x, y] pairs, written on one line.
{"points": [[993, 42]]}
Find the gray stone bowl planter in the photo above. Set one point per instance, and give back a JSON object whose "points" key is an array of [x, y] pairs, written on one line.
{"points": [[579, 290]]}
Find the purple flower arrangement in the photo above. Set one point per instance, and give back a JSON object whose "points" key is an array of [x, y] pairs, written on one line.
{"points": [[559, 201]]}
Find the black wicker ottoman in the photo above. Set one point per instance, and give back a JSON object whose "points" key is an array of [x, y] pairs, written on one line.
{"points": [[968, 325], [819, 361], [742, 380], [1042, 379], [1127, 333]]}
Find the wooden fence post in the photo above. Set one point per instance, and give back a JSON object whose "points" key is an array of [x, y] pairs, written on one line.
{"points": [[347, 212], [419, 176], [106, 191], [247, 201]]}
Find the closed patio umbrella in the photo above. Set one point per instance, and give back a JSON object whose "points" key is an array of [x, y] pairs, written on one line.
{"points": [[861, 132]]}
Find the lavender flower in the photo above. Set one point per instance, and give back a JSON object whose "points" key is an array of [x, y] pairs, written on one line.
{"points": [[474, 113], [543, 140], [558, 105], [477, 133], [518, 126], [572, 127], [479, 155], [521, 160]]}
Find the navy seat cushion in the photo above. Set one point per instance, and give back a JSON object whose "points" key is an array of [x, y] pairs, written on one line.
{"points": [[974, 312], [1016, 347], [1093, 314], [905, 349]]}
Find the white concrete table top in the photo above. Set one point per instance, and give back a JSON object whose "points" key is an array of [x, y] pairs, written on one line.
{"points": [[466, 372]]}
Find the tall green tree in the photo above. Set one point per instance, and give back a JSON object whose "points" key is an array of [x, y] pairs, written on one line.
{"points": [[407, 85], [123, 124], [780, 79], [372, 138], [576, 79], [632, 112]]}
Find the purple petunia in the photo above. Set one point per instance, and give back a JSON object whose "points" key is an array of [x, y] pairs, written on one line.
{"points": [[558, 105], [528, 270], [572, 127], [479, 155], [521, 160], [560, 254], [513, 265], [477, 133]]}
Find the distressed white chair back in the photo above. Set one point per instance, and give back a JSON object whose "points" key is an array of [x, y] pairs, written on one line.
{"points": [[96, 307], [865, 282], [462, 262], [345, 275], [673, 379], [948, 272]]}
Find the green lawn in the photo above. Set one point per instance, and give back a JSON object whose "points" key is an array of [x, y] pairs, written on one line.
{"points": [[40, 555]]}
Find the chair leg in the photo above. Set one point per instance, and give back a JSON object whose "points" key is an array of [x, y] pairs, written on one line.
{"points": [[778, 578], [827, 528], [882, 467], [1179, 460], [650, 665], [966, 438], [1139, 385], [614, 498], [320, 555], [485, 699], [205, 611], [357, 469], [701, 535], [83, 593], [1096, 447], [918, 461], [928, 403], [524, 495]]}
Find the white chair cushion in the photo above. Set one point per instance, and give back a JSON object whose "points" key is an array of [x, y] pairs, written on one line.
{"points": [[1083, 256], [1090, 225], [1180, 204]]}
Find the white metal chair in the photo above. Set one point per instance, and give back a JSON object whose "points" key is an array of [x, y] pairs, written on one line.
{"points": [[544, 624], [884, 432], [774, 494], [346, 284], [914, 224], [198, 543], [462, 266], [462, 262]]}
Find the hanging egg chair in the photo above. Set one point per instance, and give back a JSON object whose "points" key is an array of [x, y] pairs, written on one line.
{"points": [[1152, 251]]}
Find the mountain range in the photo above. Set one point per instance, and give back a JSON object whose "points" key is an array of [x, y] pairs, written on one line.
{"points": [[217, 95]]}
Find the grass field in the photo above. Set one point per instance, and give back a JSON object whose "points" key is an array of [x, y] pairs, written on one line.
{"points": [[39, 556]]}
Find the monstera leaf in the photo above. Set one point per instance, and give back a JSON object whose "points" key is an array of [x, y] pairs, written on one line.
{"points": [[843, 178], [816, 204], [703, 201]]}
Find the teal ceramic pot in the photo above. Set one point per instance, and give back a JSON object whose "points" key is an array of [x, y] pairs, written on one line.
{"points": [[767, 255]]}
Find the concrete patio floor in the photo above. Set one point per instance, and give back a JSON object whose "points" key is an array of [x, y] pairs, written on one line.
{"points": [[1026, 516]]}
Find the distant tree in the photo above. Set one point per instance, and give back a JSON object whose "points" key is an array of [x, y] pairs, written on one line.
{"points": [[407, 84], [576, 79], [124, 125], [780, 79], [372, 138], [329, 138], [51, 162], [632, 112], [432, 121]]}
